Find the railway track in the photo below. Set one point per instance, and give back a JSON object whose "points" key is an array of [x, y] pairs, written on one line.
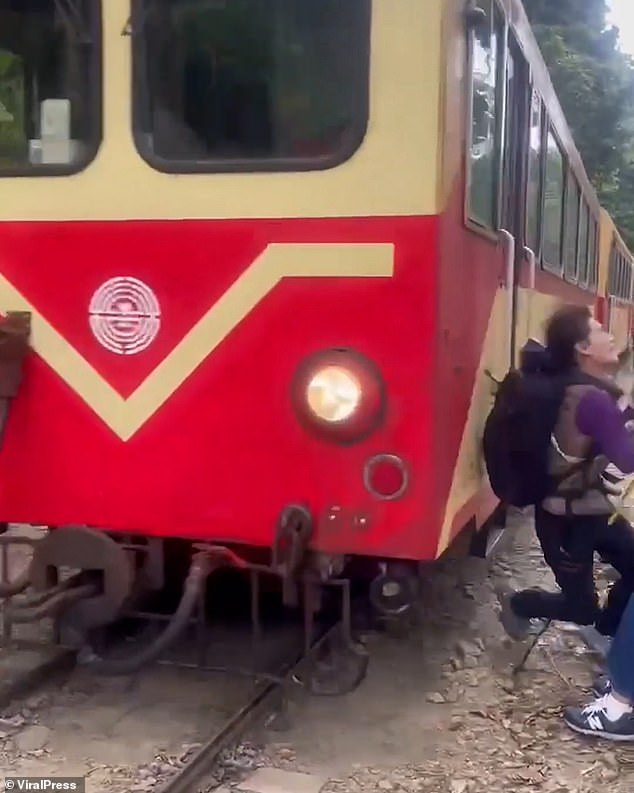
{"points": [[162, 726], [265, 700], [164, 708]]}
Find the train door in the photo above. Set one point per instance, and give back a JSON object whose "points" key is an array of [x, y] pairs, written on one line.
{"points": [[514, 175]]}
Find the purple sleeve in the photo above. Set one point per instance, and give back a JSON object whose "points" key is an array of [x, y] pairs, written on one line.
{"points": [[599, 417]]}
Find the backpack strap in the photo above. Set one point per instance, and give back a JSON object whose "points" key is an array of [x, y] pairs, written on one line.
{"points": [[583, 467]]}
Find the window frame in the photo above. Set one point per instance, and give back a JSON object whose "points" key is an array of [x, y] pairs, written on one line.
{"points": [[623, 283], [549, 128], [95, 104], [571, 180], [624, 278], [584, 269], [540, 193], [593, 234], [471, 222], [620, 277], [251, 165]]}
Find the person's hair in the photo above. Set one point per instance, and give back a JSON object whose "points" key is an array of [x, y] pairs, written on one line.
{"points": [[567, 327]]}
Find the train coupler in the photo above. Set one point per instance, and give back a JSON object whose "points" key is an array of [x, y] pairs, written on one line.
{"points": [[293, 534]]}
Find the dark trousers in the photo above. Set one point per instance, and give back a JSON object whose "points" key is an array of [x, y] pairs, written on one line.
{"points": [[569, 545], [620, 666]]}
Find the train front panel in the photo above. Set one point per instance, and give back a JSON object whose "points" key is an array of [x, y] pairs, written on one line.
{"points": [[229, 249]]}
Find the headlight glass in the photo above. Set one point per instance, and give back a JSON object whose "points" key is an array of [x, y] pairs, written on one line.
{"points": [[333, 394]]}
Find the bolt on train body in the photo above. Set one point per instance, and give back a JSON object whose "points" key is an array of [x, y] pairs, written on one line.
{"points": [[258, 261]]}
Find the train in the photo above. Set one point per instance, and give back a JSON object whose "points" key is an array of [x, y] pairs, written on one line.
{"points": [[260, 266]]}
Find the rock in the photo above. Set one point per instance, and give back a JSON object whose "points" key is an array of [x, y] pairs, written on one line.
{"points": [[610, 774], [436, 698], [458, 786], [465, 649], [385, 784], [11, 722], [610, 760], [471, 679], [456, 723], [32, 738]]}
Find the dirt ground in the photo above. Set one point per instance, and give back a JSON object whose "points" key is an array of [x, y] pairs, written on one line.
{"points": [[439, 711]]}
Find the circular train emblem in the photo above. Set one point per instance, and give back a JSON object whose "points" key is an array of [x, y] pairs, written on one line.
{"points": [[125, 316]]}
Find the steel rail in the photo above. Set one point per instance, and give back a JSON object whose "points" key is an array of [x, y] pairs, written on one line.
{"points": [[261, 702]]}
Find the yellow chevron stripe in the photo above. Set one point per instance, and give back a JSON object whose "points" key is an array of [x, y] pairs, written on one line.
{"points": [[126, 416]]}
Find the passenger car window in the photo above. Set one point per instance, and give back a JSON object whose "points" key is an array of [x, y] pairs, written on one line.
{"points": [[573, 196], [250, 85], [553, 204], [534, 195], [50, 85], [592, 254], [485, 117], [584, 229]]}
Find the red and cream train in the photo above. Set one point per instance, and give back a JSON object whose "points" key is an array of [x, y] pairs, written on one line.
{"points": [[263, 255]]}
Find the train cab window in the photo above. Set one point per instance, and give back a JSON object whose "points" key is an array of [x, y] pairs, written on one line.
{"points": [[250, 85], [584, 230], [50, 85], [573, 197], [553, 205], [534, 192]]}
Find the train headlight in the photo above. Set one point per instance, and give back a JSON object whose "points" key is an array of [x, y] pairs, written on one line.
{"points": [[339, 394], [333, 394]]}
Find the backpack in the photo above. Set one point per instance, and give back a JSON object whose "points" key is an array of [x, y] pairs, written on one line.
{"points": [[518, 431], [517, 436]]}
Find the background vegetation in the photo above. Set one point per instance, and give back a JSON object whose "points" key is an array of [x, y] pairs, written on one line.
{"points": [[595, 84]]}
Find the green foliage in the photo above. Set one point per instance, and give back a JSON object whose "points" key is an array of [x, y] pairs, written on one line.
{"points": [[595, 84], [11, 105]]}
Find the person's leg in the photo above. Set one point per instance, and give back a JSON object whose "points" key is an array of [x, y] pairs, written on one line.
{"points": [[612, 715], [615, 545], [568, 547]]}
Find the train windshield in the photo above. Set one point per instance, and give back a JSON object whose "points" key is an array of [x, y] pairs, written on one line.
{"points": [[250, 84], [49, 84]]}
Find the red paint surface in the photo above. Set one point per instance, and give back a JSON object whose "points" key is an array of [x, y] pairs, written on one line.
{"points": [[225, 454]]}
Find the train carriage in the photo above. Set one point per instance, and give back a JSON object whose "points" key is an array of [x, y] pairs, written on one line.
{"points": [[268, 258], [616, 286]]}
